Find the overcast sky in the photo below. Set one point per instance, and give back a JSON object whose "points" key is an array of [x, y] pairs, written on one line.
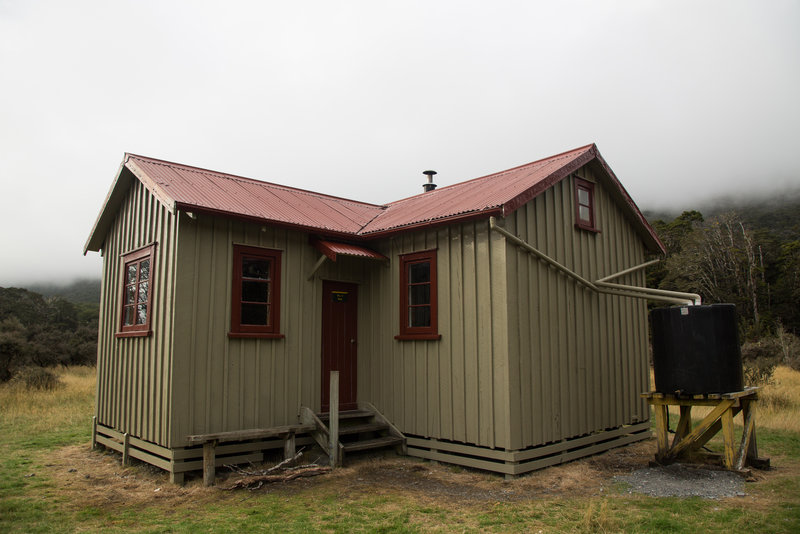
{"points": [[685, 100]]}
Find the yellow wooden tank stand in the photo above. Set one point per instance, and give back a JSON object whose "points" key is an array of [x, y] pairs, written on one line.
{"points": [[688, 440]]}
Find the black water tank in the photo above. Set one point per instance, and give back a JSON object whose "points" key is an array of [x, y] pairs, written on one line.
{"points": [[696, 349]]}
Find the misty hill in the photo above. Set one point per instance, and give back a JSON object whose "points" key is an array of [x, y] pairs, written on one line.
{"points": [[80, 291], [777, 213]]}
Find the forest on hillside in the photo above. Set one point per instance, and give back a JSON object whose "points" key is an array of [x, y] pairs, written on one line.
{"points": [[747, 254], [39, 331]]}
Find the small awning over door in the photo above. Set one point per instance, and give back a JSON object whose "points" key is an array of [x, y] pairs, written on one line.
{"points": [[332, 249]]}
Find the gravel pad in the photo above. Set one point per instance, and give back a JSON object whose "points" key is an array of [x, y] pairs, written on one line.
{"points": [[678, 480]]}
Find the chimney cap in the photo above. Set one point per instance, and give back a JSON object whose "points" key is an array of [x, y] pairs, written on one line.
{"points": [[430, 186]]}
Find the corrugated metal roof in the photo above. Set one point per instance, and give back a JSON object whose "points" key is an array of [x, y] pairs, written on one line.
{"points": [[191, 188], [492, 193], [332, 249]]}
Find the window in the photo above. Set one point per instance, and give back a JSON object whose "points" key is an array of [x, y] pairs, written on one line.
{"points": [[137, 292], [256, 292], [584, 205], [418, 306]]}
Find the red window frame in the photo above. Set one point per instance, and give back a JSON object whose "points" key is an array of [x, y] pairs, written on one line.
{"points": [[407, 330], [140, 290], [581, 222], [271, 326]]}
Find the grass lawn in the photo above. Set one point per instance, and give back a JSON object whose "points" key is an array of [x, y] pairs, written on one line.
{"points": [[51, 482]]}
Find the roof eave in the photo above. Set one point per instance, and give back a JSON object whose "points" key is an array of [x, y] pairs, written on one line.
{"points": [[432, 223], [650, 236], [556, 176], [114, 198], [182, 206]]}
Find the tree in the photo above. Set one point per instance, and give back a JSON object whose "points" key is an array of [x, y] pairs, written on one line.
{"points": [[13, 346], [721, 260]]}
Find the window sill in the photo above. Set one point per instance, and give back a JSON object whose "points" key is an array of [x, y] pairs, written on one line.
{"points": [[587, 228], [255, 335], [418, 337], [137, 333]]}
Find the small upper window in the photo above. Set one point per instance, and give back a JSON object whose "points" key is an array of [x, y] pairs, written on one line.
{"points": [[256, 290], [418, 291], [584, 205], [137, 292]]}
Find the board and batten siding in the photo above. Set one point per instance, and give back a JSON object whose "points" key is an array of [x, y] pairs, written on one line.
{"points": [[455, 388], [134, 373], [578, 358], [225, 384]]}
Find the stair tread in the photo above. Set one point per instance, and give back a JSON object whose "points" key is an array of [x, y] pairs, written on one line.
{"points": [[365, 427], [348, 414], [371, 443]]}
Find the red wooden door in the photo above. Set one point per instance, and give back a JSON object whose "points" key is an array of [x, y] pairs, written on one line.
{"points": [[339, 341]]}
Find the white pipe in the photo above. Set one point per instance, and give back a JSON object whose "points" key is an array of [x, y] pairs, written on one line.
{"points": [[661, 295], [692, 298], [540, 255], [630, 270]]}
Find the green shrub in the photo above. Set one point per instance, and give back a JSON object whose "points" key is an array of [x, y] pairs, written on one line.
{"points": [[37, 378]]}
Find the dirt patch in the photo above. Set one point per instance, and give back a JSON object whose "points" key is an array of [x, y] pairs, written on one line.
{"points": [[96, 479]]}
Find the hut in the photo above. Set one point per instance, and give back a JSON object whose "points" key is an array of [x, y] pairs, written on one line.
{"points": [[476, 321]]}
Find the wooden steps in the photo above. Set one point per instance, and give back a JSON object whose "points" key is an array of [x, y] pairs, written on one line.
{"points": [[348, 414], [362, 430], [374, 443]]}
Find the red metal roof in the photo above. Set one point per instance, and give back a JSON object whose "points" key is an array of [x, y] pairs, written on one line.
{"points": [[496, 194], [194, 189], [332, 249]]}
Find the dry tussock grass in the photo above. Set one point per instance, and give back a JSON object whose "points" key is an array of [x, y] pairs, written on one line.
{"points": [[779, 404], [40, 409]]}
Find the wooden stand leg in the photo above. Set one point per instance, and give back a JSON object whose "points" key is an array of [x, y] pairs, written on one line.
{"points": [[209, 462], [176, 478], [662, 429], [748, 445], [727, 439], [684, 425]]}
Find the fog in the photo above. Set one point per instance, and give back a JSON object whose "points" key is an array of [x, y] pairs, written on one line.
{"points": [[686, 101]]}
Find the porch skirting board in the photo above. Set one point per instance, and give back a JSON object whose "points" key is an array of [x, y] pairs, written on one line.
{"points": [[180, 460], [525, 460]]}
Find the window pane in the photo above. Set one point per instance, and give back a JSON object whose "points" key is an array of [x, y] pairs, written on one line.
{"points": [[143, 287], [255, 314], [420, 294], [130, 275], [127, 315], [144, 270], [583, 197], [130, 294], [419, 272], [255, 268], [255, 291], [584, 213], [419, 316], [141, 313]]}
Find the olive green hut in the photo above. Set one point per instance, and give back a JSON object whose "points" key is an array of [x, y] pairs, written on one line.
{"points": [[477, 321]]}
